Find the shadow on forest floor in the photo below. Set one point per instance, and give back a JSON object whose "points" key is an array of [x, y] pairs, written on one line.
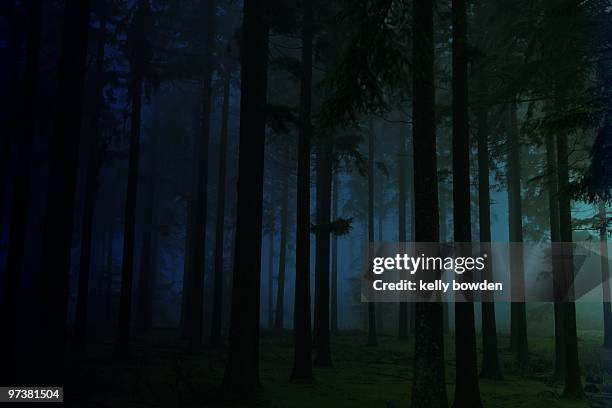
{"points": [[162, 374]]}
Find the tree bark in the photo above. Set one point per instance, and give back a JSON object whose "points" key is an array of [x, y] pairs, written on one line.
{"points": [[145, 299], [553, 211], [59, 215], [302, 358], [605, 276], [137, 63], [411, 217], [199, 197], [91, 188], [490, 359], [402, 332], [279, 316], [518, 318], [242, 369], [127, 264], [573, 383], [24, 126], [467, 392], [270, 308], [109, 270], [12, 104], [429, 386], [324, 197], [372, 338], [445, 209], [334, 257], [217, 307], [380, 313]]}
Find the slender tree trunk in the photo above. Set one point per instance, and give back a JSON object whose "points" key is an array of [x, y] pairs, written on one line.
{"points": [[127, 264], [573, 384], [144, 307], [429, 386], [605, 276], [108, 281], [217, 308], [302, 358], [402, 332], [490, 359], [467, 392], [242, 369], [553, 206], [270, 308], [5, 160], [59, 215], [445, 209], [444, 215], [412, 225], [334, 257], [282, 256], [372, 338], [199, 198], [518, 318], [186, 284], [21, 192], [91, 188], [380, 324], [324, 198], [12, 104], [137, 63], [445, 318]]}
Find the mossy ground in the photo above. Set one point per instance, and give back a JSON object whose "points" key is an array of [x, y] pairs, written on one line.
{"points": [[163, 374]]}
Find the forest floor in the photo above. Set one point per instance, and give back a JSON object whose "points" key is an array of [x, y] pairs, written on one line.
{"points": [[163, 374]]}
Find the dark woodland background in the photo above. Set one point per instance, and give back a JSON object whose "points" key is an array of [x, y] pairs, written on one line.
{"points": [[186, 187]]}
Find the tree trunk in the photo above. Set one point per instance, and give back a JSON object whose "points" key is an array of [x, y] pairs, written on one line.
{"points": [[553, 211], [605, 277], [573, 384], [411, 214], [445, 209], [372, 338], [199, 197], [21, 192], [270, 308], [59, 215], [127, 263], [302, 358], [144, 307], [467, 392], [186, 284], [279, 316], [11, 104], [217, 307], [429, 387], [490, 359], [334, 257], [91, 188], [137, 62], [518, 318], [402, 332], [445, 318], [242, 369], [324, 198], [108, 281], [380, 323]]}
